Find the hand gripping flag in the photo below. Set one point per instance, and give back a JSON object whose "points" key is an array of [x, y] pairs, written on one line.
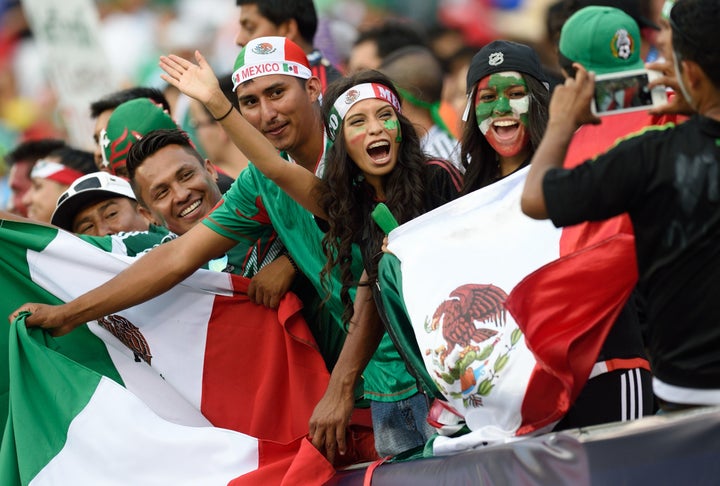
{"points": [[196, 386]]}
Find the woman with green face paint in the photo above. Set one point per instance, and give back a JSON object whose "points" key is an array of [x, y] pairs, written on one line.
{"points": [[506, 112], [376, 157]]}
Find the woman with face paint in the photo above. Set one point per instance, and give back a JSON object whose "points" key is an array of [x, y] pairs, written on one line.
{"points": [[507, 116], [375, 157], [506, 112]]}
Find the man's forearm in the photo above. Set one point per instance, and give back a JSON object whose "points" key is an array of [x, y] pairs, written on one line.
{"points": [[550, 154]]}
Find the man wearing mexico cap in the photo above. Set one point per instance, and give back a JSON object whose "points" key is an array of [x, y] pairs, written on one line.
{"points": [[604, 40], [296, 20], [637, 10], [278, 95]]}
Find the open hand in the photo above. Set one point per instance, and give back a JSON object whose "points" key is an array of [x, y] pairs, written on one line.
{"points": [[195, 80]]}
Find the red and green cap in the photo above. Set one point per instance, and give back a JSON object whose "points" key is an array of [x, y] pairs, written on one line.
{"points": [[602, 39], [270, 55], [128, 123]]}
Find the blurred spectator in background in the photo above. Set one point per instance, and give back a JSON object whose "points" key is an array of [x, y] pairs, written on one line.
{"points": [[223, 153], [418, 77], [51, 176], [21, 161], [374, 44], [101, 110], [640, 11]]}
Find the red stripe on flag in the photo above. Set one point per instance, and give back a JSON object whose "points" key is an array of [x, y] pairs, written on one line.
{"points": [[288, 465], [566, 309], [263, 373]]}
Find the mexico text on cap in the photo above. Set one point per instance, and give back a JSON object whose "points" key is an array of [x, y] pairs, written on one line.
{"points": [[270, 55]]}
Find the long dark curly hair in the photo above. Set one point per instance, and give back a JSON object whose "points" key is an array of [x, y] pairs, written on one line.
{"points": [[479, 157], [348, 200]]}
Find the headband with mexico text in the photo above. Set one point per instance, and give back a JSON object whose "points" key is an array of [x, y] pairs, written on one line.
{"points": [[270, 55], [358, 93], [54, 171]]}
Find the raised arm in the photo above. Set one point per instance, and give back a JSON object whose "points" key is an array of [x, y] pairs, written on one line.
{"points": [[569, 109], [138, 283], [199, 82]]}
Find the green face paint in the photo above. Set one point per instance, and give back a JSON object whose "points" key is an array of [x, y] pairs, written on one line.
{"points": [[501, 94], [394, 125], [391, 124]]}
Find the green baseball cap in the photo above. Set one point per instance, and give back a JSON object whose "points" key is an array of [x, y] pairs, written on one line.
{"points": [[602, 39], [128, 123]]}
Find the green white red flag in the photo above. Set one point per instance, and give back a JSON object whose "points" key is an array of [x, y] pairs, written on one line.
{"points": [[508, 325], [197, 386]]}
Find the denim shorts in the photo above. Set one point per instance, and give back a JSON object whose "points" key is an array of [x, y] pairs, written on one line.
{"points": [[400, 426]]}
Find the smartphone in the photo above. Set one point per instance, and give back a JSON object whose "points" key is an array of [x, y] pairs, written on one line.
{"points": [[626, 91]]}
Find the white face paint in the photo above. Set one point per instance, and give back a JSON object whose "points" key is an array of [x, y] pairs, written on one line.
{"points": [[683, 89]]}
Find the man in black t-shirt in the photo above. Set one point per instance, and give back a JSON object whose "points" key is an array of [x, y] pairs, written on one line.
{"points": [[668, 180]]}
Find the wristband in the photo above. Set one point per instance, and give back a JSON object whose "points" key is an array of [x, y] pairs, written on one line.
{"points": [[292, 262], [225, 115]]}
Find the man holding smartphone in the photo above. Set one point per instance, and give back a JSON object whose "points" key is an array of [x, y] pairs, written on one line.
{"points": [[607, 40], [667, 180]]}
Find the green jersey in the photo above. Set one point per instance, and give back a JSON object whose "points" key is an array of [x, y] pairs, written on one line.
{"points": [[132, 243]]}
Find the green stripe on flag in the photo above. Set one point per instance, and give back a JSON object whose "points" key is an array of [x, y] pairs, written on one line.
{"points": [[47, 392], [18, 288]]}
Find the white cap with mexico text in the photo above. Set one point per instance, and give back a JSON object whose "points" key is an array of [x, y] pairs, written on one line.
{"points": [[270, 55], [86, 190]]}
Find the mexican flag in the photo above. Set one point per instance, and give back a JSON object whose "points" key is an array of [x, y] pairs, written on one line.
{"points": [[508, 323], [197, 386]]}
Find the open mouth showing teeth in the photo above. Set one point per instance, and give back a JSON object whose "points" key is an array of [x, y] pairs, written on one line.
{"points": [[378, 150], [190, 208], [505, 127]]}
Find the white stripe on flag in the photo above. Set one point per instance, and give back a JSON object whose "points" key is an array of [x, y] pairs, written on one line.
{"points": [[115, 429], [481, 246], [69, 267]]}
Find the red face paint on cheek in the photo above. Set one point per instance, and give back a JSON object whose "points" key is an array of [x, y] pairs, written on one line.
{"points": [[356, 135]]}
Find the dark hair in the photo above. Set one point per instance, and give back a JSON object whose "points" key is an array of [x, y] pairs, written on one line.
{"points": [[392, 35], [152, 143], [33, 150], [556, 15], [694, 25], [80, 160], [348, 200], [417, 70], [479, 157], [113, 100], [279, 11]]}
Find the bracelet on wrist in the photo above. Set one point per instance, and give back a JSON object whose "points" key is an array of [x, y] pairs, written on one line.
{"points": [[225, 115], [292, 262]]}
